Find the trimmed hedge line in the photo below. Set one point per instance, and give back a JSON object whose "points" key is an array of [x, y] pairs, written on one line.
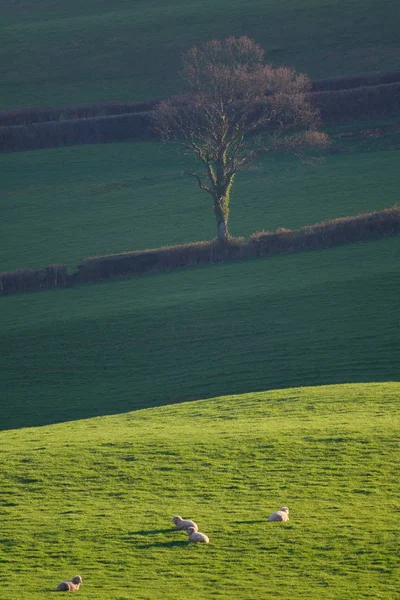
{"points": [[321, 235], [23, 116], [327, 234], [335, 107], [357, 103], [160, 259], [52, 134], [26, 280], [352, 81]]}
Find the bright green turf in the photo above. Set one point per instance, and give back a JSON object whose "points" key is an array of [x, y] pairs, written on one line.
{"points": [[65, 204], [305, 319], [58, 52], [96, 497]]}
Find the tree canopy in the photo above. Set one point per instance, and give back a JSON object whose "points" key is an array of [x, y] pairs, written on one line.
{"points": [[235, 108]]}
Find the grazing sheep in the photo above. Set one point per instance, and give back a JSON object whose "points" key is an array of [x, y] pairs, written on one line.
{"points": [[184, 523], [280, 515], [71, 585], [197, 536]]}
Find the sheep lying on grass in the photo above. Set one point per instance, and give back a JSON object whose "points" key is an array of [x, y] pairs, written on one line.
{"points": [[280, 515], [71, 585], [184, 523], [197, 536]]}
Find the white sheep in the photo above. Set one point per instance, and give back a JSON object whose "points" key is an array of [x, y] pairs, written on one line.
{"points": [[184, 523], [280, 515], [197, 536], [72, 585]]}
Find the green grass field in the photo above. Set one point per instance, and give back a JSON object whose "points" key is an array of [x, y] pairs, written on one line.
{"points": [[99, 443], [57, 53], [307, 319], [65, 204], [96, 497]]}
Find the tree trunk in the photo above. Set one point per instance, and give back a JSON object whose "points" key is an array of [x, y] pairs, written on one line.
{"points": [[221, 214], [222, 230]]}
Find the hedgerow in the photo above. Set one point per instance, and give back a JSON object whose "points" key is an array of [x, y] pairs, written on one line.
{"points": [[327, 234]]}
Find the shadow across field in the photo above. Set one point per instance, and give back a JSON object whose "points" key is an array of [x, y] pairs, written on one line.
{"points": [[150, 531], [172, 544], [300, 320], [153, 533]]}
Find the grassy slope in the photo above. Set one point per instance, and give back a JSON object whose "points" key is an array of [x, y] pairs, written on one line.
{"points": [[96, 497], [57, 52], [305, 319], [65, 204]]}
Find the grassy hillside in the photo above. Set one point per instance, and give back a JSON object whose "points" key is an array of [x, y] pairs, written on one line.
{"points": [[65, 204], [96, 497], [55, 53], [305, 319]]}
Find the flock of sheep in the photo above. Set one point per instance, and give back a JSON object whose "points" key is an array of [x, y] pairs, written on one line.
{"points": [[72, 585]]}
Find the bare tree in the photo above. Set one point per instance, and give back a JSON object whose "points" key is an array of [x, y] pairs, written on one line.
{"points": [[235, 108]]}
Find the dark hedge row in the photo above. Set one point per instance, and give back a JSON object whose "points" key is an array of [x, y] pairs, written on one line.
{"points": [[353, 81], [26, 280], [321, 235], [115, 128], [160, 259], [327, 234], [23, 116], [358, 103], [335, 107]]}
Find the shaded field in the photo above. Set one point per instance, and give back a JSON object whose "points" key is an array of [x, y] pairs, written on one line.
{"points": [[308, 319], [56, 53], [96, 497], [62, 205]]}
